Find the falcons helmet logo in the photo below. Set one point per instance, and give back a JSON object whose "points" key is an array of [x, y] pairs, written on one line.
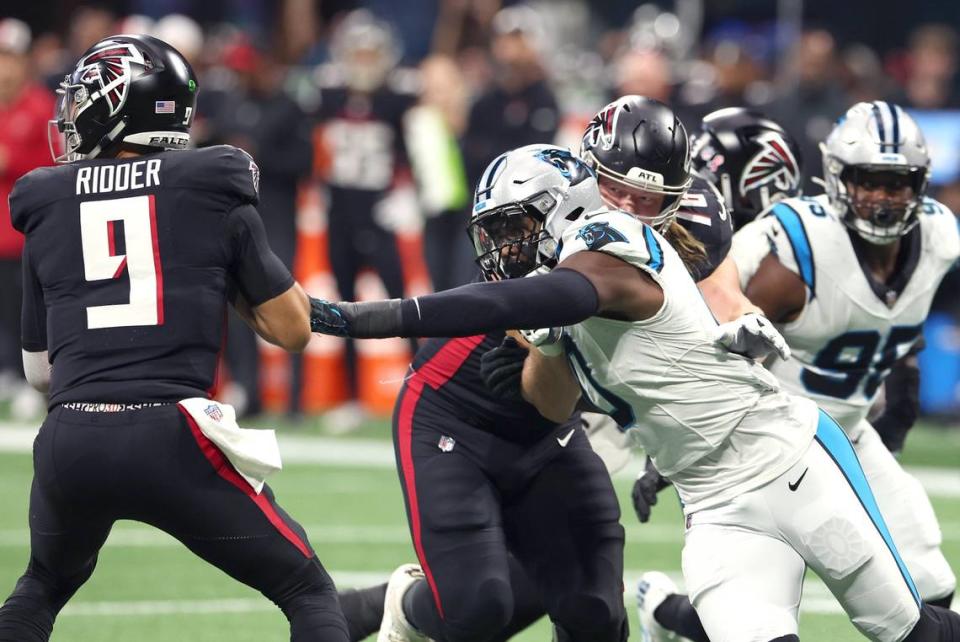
{"points": [[110, 69], [600, 130], [773, 163]]}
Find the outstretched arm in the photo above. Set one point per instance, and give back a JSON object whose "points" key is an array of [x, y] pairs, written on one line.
{"points": [[582, 286]]}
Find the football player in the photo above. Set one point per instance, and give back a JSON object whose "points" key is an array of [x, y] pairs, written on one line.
{"points": [[638, 148], [768, 482], [512, 516], [875, 223], [134, 247], [850, 276]]}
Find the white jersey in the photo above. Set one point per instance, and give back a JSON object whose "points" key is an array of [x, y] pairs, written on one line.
{"points": [[713, 422], [852, 329]]}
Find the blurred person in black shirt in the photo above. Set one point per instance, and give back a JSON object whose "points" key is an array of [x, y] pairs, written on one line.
{"points": [[931, 81], [260, 118], [362, 102], [810, 108], [520, 108]]}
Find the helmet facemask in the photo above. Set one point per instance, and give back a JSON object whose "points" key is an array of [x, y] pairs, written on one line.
{"points": [[77, 100], [650, 182], [511, 241], [881, 203]]}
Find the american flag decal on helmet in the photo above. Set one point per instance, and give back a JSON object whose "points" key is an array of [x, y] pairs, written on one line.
{"points": [[111, 66], [773, 163]]}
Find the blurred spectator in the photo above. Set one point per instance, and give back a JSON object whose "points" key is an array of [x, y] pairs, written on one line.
{"points": [[932, 70], [183, 34], [432, 131], [863, 74], [362, 102], [644, 72], [87, 25], [25, 109], [520, 108], [263, 120], [809, 109]]}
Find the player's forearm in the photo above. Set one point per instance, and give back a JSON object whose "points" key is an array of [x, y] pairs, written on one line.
{"points": [[562, 297], [549, 385], [721, 291], [283, 321]]}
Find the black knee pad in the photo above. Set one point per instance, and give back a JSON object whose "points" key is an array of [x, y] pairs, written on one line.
{"points": [[310, 584], [936, 624], [42, 586], [587, 617], [943, 602], [560, 634], [786, 638], [485, 615]]}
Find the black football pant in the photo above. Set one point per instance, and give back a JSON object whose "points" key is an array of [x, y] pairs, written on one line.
{"points": [[154, 466], [499, 527], [356, 241]]}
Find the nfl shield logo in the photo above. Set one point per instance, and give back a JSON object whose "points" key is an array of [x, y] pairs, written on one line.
{"points": [[446, 444], [213, 411]]}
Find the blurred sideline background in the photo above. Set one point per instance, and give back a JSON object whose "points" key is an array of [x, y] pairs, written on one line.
{"points": [[370, 120]]}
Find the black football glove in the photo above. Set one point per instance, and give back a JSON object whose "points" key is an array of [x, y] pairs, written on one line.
{"points": [[328, 318], [645, 490], [502, 368]]}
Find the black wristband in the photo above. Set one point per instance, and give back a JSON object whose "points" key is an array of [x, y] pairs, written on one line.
{"points": [[374, 319]]}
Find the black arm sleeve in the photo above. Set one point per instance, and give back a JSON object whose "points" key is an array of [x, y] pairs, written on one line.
{"points": [[33, 313], [562, 297], [255, 270], [902, 391]]}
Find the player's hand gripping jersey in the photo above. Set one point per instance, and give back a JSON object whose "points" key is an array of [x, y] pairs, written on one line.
{"points": [[688, 399], [852, 329], [137, 256]]}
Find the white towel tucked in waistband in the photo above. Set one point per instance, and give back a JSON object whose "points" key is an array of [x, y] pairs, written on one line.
{"points": [[254, 453]]}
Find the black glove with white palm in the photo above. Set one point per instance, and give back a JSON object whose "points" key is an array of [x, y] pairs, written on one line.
{"points": [[752, 335]]}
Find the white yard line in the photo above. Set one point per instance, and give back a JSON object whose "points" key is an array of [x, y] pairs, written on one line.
{"points": [[816, 599], [370, 453]]}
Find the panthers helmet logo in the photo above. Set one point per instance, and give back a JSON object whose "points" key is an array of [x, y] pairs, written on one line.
{"points": [[572, 168], [109, 72], [596, 235], [774, 163]]}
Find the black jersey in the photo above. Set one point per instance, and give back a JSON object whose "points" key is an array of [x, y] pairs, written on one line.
{"points": [[703, 213], [127, 267], [452, 368], [363, 133]]}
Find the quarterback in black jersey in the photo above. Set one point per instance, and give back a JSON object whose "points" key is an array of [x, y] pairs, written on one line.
{"points": [[134, 247]]}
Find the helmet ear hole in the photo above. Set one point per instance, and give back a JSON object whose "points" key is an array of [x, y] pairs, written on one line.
{"points": [[574, 214]]}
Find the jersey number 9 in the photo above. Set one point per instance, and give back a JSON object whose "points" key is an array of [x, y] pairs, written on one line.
{"points": [[100, 228]]}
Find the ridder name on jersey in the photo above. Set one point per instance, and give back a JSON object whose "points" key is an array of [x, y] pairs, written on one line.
{"points": [[104, 179]]}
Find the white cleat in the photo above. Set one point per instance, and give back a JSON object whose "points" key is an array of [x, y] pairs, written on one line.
{"points": [[652, 589], [394, 627]]}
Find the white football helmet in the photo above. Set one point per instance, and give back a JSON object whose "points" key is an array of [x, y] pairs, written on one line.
{"points": [[524, 201], [876, 146]]}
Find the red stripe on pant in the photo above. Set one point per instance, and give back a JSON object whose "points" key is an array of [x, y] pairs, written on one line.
{"points": [[434, 373], [226, 470]]}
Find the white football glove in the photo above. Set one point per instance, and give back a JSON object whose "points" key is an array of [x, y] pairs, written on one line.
{"points": [[752, 335], [546, 340]]}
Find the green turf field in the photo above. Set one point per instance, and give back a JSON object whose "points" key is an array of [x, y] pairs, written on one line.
{"points": [[148, 588]]}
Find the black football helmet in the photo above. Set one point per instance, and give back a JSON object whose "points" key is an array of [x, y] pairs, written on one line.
{"points": [[750, 159], [640, 143], [125, 92]]}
